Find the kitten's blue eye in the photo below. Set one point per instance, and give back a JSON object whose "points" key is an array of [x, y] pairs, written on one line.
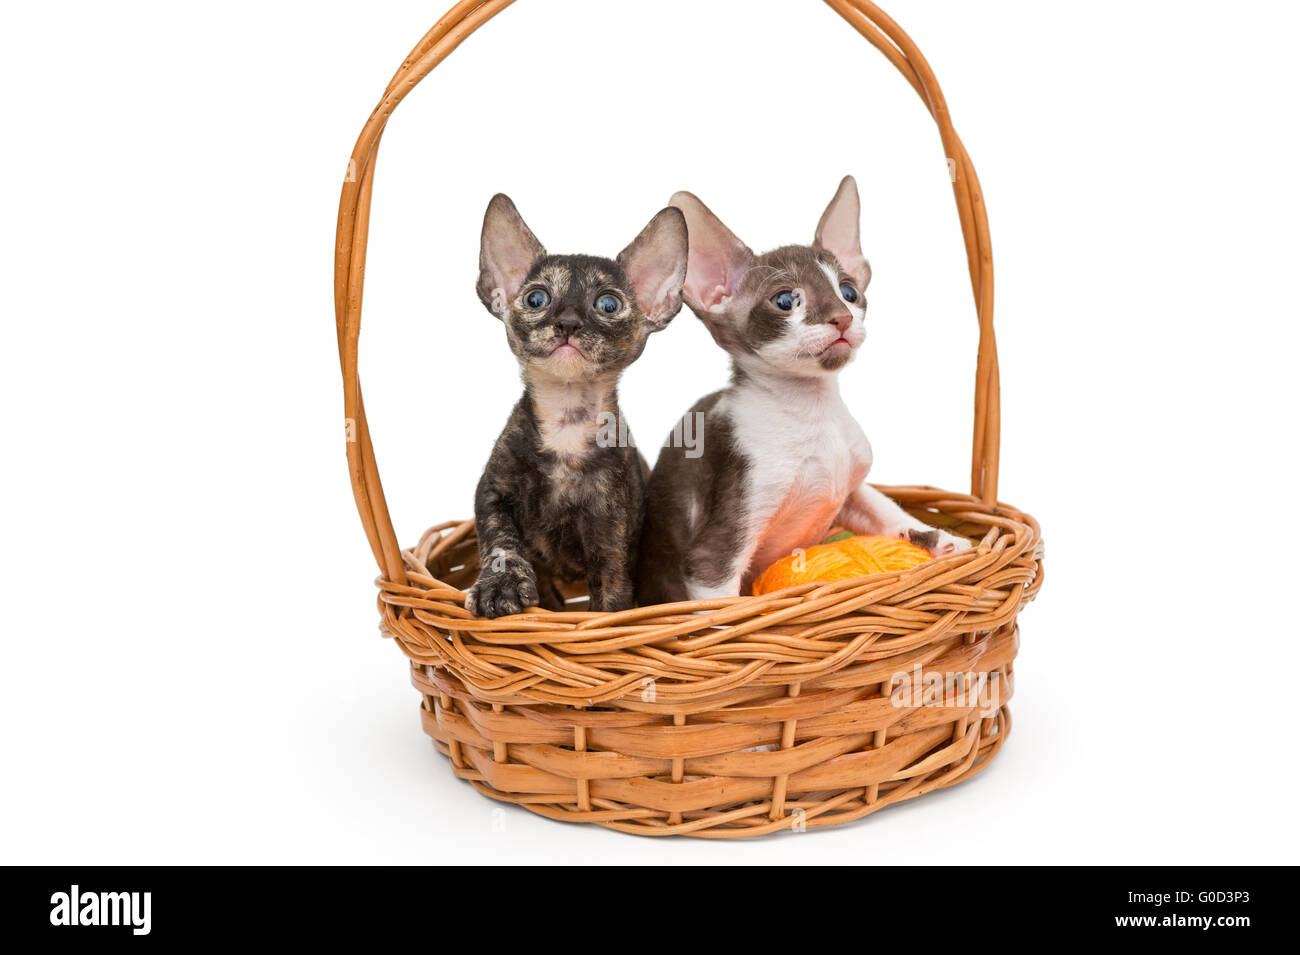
{"points": [[784, 301], [538, 298], [609, 304], [849, 292]]}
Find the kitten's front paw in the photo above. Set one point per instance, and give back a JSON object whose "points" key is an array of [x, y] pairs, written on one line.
{"points": [[938, 542], [507, 586]]}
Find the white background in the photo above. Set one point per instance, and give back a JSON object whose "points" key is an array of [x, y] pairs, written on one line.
{"points": [[192, 671]]}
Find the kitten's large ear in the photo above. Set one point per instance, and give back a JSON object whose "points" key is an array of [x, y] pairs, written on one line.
{"points": [[839, 232], [718, 260], [508, 252], [655, 264]]}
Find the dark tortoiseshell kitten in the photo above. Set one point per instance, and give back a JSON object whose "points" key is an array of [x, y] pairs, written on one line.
{"points": [[562, 495]]}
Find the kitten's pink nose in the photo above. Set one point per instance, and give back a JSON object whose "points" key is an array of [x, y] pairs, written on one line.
{"points": [[842, 321]]}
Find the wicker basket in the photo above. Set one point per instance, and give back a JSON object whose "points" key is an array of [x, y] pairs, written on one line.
{"points": [[718, 718]]}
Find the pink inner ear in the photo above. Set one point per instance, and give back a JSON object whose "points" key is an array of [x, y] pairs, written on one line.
{"points": [[656, 263], [508, 251], [716, 297], [709, 280], [839, 231], [717, 260], [716, 266], [656, 291], [510, 260]]}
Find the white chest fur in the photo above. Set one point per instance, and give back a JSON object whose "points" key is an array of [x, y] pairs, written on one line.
{"points": [[806, 454], [569, 414]]}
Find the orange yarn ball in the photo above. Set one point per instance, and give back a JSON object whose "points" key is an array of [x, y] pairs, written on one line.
{"points": [[841, 560]]}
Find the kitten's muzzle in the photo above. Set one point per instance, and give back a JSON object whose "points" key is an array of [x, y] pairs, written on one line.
{"points": [[567, 325], [840, 336]]}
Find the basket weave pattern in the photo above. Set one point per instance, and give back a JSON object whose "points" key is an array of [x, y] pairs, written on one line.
{"points": [[715, 718]]}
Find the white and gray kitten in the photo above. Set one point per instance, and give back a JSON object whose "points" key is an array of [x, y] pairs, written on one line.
{"points": [[783, 459]]}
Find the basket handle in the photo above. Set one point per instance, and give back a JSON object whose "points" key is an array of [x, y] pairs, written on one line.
{"points": [[354, 222]]}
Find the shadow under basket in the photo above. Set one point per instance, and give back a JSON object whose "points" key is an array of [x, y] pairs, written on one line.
{"points": [[807, 707]]}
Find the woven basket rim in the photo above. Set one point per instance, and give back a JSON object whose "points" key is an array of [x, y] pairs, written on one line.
{"points": [[705, 647], [463, 530]]}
